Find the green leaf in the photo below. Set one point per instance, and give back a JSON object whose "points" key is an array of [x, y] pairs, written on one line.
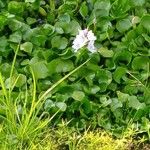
{"points": [[123, 25], [83, 10], [28, 35], [3, 43], [146, 37], [103, 87], [145, 21], [105, 52], [30, 1], [38, 40], [49, 104], [59, 65], [140, 63], [104, 78], [101, 8], [68, 28], [94, 89], [21, 80], [115, 104], [145, 74], [112, 86], [74, 27], [48, 29], [145, 124], [27, 47], [30, 20], [15, 7], [16, 37], [61, 105], [63, 97], [15, 24], [2, 3], [110, 64], [42, 12], [18, 80], [25, 62], [3, 20], [137, 2], [130, 89], [87, 106], [105, 101], [5, 69], [99, 13], [134, 103], [78, 95], [59, 30], [40, 70], [64, 18], [139, 41], [102, 4], [122, 57], [123, 97], [119, 73], [69, 8], [59, 42], [119, 8]]}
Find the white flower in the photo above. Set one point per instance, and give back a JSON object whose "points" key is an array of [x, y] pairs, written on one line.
{"points": [[84, 38]]}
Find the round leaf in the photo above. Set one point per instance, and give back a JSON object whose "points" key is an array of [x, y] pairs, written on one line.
{"points": [[49, 104], [61, 105], [140, 62], [134, 103], [146, 22], [64, 18], [27, 47], [59, 65], [59, 42], [137, 2], [40, 70], [21, 80], [119, 73], [122, 56], [105, 52], [123, 25], [15, 37], [78, 95], [15, 7]]}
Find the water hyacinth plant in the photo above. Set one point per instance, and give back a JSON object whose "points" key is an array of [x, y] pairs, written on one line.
{"points": [[68, 66]]}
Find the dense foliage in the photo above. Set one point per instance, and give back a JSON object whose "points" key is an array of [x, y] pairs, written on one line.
{"points": [[111, 91]]}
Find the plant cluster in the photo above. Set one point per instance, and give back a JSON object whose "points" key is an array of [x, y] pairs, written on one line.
{"points": [[109, 88]]}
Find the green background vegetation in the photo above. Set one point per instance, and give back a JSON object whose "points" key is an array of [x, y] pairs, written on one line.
{"points": [[109, 89]]}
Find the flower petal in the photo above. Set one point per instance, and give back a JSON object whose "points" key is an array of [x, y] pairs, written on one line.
{"points": [[91, 36], [91, 47], [84, 38]]}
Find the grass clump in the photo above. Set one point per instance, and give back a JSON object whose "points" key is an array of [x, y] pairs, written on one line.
{"points": [[65, 138]]}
